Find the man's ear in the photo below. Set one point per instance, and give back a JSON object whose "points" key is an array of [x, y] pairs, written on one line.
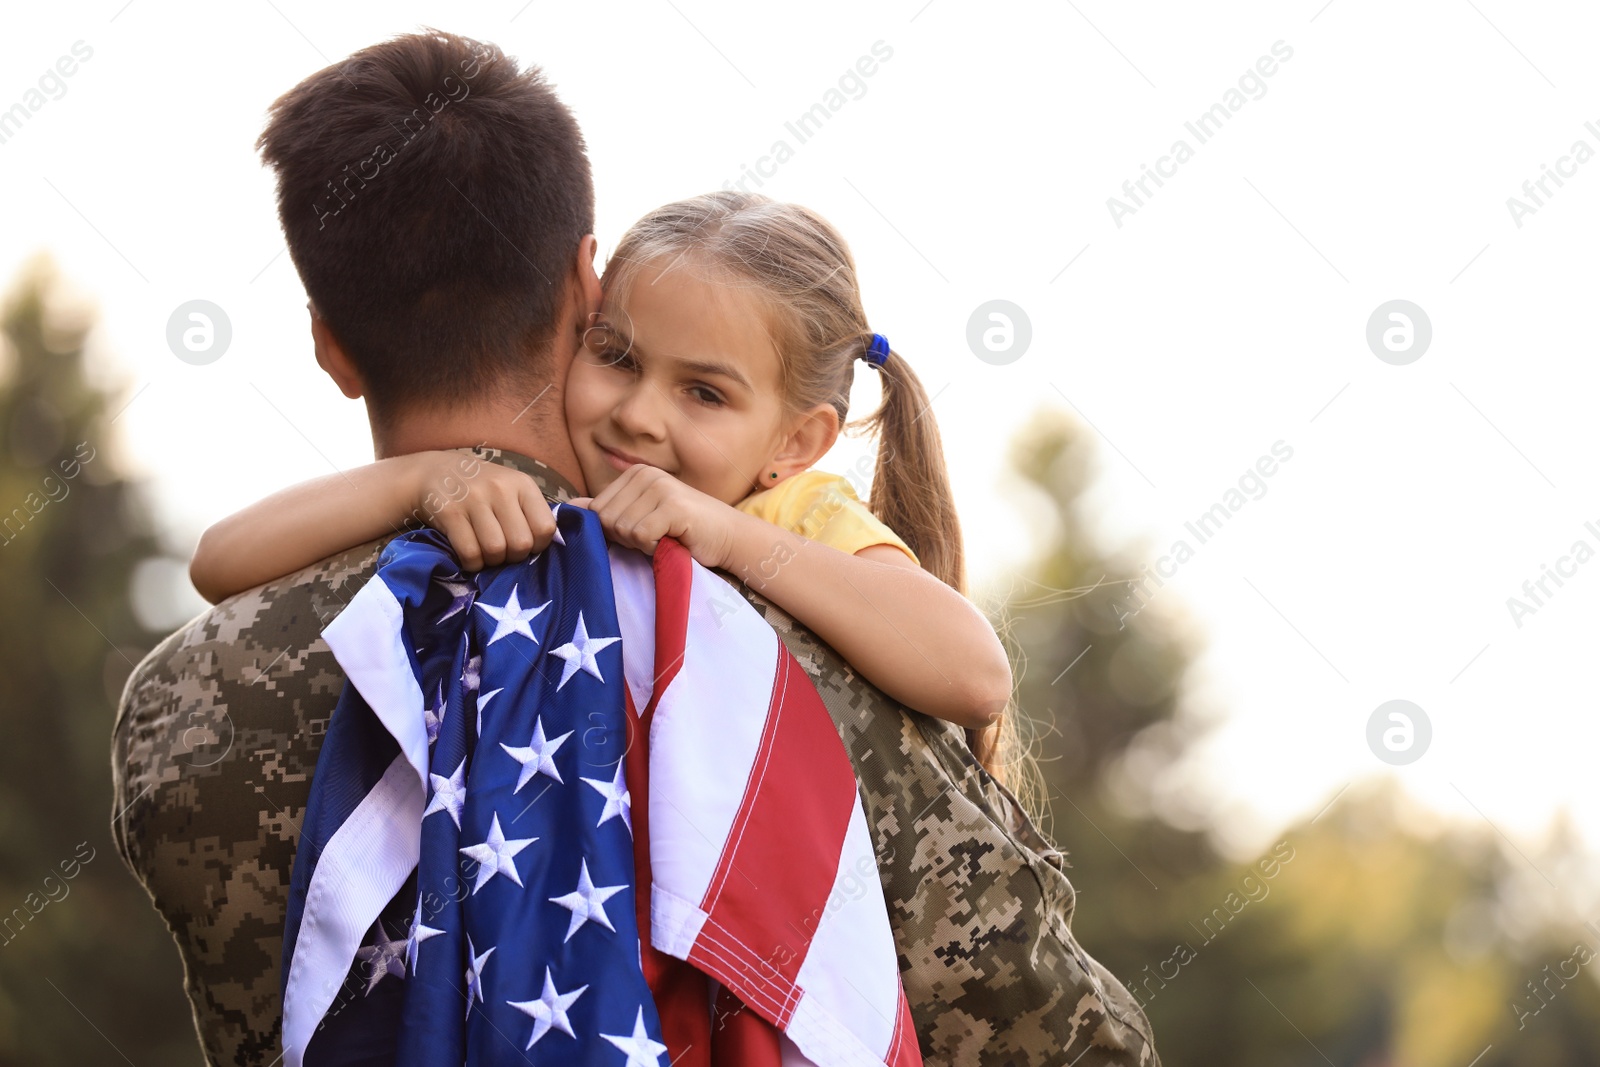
{"points": [[588, 280], [809, 438], [332, 358]]}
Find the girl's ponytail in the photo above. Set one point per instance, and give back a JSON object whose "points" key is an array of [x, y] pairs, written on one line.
{"points": [[911, 485], [911, 494]]}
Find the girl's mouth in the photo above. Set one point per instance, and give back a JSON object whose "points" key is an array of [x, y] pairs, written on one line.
{"points": [[620, 460]]}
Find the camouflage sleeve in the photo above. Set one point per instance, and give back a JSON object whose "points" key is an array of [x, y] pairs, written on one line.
{"points": [[979, 901], [216, 736]]}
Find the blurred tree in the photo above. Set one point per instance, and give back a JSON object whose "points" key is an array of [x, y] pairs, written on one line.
{"points": [[1358, 939], [88, 973]]}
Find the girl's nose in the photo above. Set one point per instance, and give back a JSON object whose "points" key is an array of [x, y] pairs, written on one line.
{"points": [[639, 412]]}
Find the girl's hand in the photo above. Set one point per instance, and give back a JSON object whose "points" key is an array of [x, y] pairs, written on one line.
{"points": [[646, 504], [496, 515]]}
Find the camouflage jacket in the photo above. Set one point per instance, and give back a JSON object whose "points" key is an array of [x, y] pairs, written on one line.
{"points": [[217, 735]]}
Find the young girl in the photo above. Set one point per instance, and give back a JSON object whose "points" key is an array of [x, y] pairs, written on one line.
{"points": [[718, 371]]}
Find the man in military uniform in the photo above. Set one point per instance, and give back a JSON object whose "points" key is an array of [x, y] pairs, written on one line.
{"points": [[438, 205]]}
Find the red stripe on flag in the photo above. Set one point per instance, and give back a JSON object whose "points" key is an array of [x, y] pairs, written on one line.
{"points": [[742, 1038], [780, 861], [682, 993], [782, 853], [674, 574]]}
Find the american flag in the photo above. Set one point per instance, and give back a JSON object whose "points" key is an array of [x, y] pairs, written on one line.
{"points": [[585, 809]]}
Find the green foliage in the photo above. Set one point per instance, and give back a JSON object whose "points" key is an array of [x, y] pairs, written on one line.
{"points": [[88, 972]]}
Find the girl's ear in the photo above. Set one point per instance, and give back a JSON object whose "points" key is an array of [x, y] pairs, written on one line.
{"points": [[809, 439]]}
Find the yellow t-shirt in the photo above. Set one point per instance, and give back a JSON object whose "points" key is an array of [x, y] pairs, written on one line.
{"points": [[824, 508]]}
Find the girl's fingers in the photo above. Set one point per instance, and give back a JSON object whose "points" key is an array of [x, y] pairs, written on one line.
{"points": [[627, 493], [490, 529], [491, 537], [514, 525], [626, 487], [617, 518], [454, 525], [536, 511], [605, 496], [649, 530], [645, 521]]}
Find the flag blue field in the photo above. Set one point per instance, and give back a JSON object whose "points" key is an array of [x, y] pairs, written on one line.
{"points": [[508, 924]]}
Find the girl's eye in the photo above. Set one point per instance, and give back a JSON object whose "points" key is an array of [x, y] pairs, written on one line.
{"points": [[706, 396], [617, 357]]}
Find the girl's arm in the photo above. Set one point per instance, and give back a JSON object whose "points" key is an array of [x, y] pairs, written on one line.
{"points": [[911, 635], [491, 514], [905, 631]]}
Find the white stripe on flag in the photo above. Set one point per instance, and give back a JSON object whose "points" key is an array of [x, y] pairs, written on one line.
{"points": [[361, 868], [704, 742], [818, 1036], [634, 586], [707, 728], [368, 640], [674, 922], [852, 972], [366, 861]]}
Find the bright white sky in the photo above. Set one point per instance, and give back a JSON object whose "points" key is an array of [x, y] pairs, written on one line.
{"points": [[1228, 313]]}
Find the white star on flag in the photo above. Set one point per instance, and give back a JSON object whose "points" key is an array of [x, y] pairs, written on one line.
{"points": [[555, 512], [512, 618], [433, 717], [496, 855], [618, 801], [538, 757], [483, 700], [419, 934], [639, 1048], [549, 1012], [383, 958], [475, 973], [587, 902], [449, 793], [580, 652], [460, 595]]}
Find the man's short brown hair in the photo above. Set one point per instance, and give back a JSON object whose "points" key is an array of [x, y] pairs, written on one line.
{"points": [[433, 196]]}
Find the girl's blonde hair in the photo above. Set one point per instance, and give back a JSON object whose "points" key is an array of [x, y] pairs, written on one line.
{"points": [[800, 270]]}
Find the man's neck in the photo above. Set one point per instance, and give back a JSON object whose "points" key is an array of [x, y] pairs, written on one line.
{"points": [[537, 431]]}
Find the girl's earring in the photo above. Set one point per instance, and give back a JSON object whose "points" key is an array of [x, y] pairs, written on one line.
{"points": [[773, 474]]}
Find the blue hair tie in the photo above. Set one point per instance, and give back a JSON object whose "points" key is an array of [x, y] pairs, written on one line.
{"points": [[877, 352]]}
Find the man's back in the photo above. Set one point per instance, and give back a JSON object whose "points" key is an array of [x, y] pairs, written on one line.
{"points": [[217, 738]]}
